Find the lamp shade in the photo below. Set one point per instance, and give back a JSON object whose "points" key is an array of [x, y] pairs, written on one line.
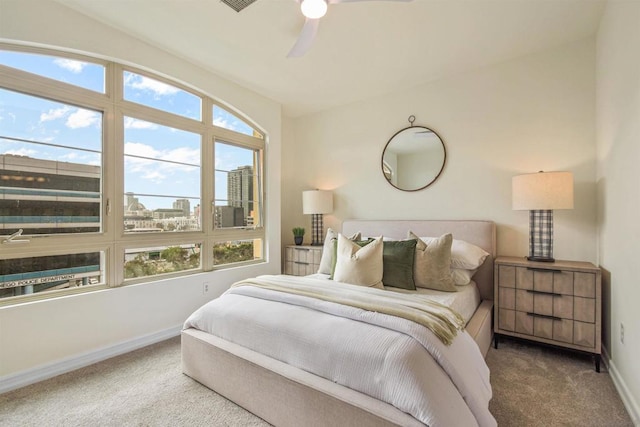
{"points": [[542, 191], [317, 202]]}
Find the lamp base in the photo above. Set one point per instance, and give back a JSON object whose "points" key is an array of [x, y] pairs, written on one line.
{"points": [[316, 229], [541, 236], [540, 259]]}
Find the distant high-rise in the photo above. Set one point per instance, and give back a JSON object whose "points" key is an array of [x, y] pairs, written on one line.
{"points": [[184, 205], [229, 216], [240, 190], [132, 204]]}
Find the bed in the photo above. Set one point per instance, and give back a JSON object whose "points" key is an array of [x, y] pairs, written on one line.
{"points": [[286, 395]]}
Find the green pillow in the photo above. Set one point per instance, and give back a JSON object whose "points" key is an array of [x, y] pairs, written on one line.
{"points": [[334, 260], [398, 257]]}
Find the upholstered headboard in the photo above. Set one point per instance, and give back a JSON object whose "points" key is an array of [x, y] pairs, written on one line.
{"points": [[479, 233]]}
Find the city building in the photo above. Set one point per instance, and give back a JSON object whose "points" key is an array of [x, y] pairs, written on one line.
{"points": [[183, 205], [228, 216], [48, 197], [240, 191]]}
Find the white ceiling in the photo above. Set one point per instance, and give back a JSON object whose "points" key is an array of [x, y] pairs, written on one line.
{"points": [[362, 49]]}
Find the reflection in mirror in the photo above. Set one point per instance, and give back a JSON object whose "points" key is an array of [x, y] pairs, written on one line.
{"points": [[413, 158]]}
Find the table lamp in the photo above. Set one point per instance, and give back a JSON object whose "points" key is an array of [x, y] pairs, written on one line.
{"points": [[540, 193], [316, 203]]}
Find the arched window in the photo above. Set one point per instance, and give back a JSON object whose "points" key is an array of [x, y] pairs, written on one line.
{"points": [[128, 175]]}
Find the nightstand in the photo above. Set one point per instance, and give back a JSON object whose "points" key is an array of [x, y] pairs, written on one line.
{"points": [[302, 260], [558, 303]]}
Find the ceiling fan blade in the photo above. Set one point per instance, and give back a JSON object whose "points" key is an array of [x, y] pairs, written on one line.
{"points": [[305, 39]]}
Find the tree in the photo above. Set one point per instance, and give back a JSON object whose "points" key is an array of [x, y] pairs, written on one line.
{"points": [[175, 255], [227, 254]]}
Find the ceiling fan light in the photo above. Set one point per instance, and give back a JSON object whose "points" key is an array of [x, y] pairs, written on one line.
{"points": [[313, 9]]}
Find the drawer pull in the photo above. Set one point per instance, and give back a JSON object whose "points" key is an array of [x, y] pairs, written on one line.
{"points": [[544, 293], [544, 270], [545, 316], [300, 262], [302, 249]]}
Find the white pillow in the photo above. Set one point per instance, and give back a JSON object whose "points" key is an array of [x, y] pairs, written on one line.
{"points": [[326, 262], [462, 276], [464, 254], [359, 265]]}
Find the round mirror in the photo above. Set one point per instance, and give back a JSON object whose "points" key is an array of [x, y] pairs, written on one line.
{"points": [[413, 158]]}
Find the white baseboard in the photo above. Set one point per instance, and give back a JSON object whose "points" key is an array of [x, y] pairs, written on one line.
{"points": [[627, 399], [50, 370]]}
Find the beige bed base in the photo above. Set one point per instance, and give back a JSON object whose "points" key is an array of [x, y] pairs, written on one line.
{"points": [[287, 396]]}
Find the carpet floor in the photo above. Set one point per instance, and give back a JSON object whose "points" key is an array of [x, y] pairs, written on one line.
{"points": [[532, 386]]}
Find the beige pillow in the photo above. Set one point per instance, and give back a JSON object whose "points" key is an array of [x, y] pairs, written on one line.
{"points": [[326, 262], [359, 265], [432, 266]]}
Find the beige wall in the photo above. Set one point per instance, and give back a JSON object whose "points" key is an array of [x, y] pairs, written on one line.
{"points": [[618, 147], [529, 114], [43, 333]]}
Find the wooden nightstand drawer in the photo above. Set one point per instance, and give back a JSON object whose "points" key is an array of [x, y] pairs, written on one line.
{"points": [[563, 331], [585, 285], [584, 309], [302, 260], [556, 303], [584, 334]]}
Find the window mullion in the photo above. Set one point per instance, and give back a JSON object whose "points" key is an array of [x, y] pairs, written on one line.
{"points": [[207, 186]]}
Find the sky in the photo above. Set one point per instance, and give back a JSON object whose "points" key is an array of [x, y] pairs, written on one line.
{"points": [[159, 160]]}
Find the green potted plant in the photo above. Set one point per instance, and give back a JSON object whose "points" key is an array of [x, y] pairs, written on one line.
{"points": [[298, 234]]}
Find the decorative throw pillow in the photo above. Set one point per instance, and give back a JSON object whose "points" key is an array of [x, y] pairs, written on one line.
{"points": [[464, 254], [327, 260], [462, 276], [334, 258], [398, 258], [432, 268], [359, 265]]}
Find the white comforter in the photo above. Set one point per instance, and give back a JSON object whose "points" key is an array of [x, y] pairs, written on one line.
{"points": [[386, 357]]}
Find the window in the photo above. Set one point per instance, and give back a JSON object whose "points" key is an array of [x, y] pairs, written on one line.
{"points": [[156, 94], [68, 70], [237, 184], [161, 260], [230, 252], [161, 177], [30, 275], [50, 166], [225, 119], [162, 182]]}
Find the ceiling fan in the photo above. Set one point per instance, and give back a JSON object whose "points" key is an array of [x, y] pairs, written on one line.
{"points": [[313, 10]]}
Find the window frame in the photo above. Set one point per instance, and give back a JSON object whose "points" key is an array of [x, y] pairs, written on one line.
{"points": [[112, 239]]}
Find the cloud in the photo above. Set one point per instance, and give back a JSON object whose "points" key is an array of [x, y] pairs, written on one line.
{"points": [[7, 114], [22, 152], [146, 84], [70, 65], [70, 156], [131, 123], [158, 171], [76, 117], [82, 118], [54, 114], [232, 124]]}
